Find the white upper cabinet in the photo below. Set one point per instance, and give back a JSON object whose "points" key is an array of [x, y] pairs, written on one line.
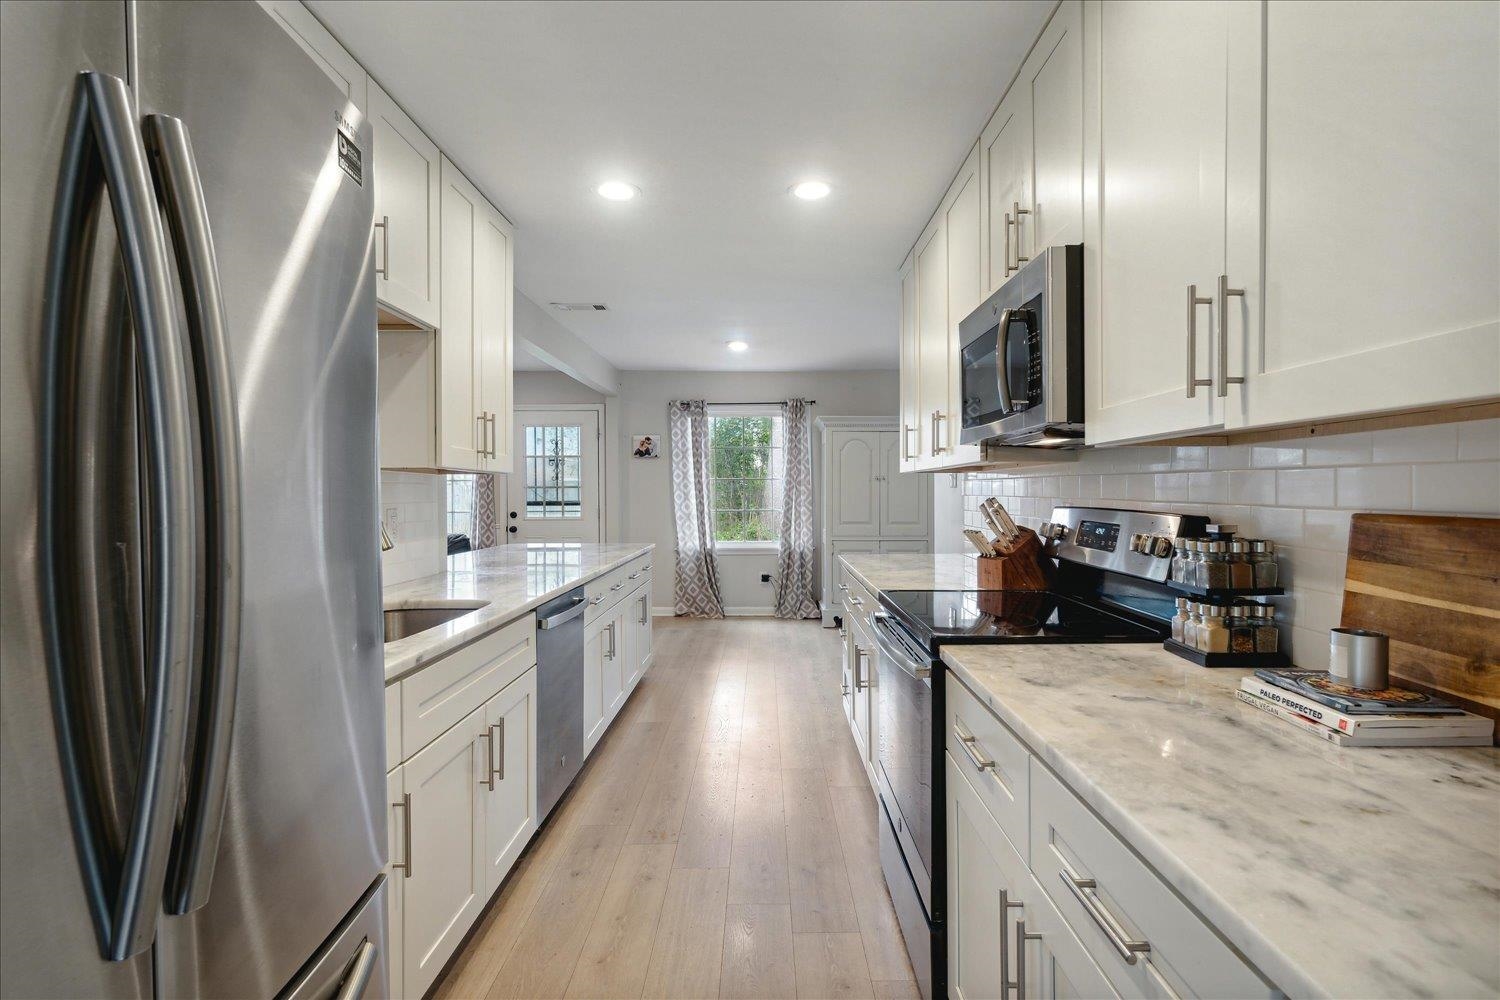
{"points": [[1155, 214], [1054, 77], [966, 271], [1381, 220], [494, 298], [462, 428], [1005, 148], [910, 375], [932, 339], [325, 50], [407, 172]]}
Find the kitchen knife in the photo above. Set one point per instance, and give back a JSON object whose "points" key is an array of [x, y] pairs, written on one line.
{"points": [[1007, 520], [994, 522], [977, 539]]}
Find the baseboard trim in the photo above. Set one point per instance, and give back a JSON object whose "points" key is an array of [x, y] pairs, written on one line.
{"points": [[734, 612]]}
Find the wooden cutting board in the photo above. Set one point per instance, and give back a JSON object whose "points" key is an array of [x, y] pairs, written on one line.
{"points": [[1433, 585]]}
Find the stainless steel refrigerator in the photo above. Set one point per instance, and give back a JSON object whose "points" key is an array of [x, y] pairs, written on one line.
{"points": [[192, 776]]}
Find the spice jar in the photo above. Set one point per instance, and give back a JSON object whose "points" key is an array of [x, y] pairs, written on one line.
{"points": [[1193, 571], [1214, 573], [1241, 573], [1180, 561], [1241, 624], [1263, 563], [1213, 637], [1192, 625], [1180, 619], [1267, 635]]}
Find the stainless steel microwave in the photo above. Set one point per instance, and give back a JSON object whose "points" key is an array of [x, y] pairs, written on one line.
{"points": [[1022, 356]]}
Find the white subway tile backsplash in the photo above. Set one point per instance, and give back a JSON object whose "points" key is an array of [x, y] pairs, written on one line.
{"points": [[1305, 487], [1457, 487], [421, 531], [1375, 487], [1300, 493], [1434, 443]]}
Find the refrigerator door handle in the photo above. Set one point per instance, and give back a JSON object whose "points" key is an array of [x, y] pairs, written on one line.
{"points": [[175, 172], [102, 150]]}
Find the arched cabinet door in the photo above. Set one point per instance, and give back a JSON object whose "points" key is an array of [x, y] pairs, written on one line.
{"points": [[854, 493]]}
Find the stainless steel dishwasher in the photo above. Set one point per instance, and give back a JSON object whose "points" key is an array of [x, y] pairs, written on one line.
{"points": [[559, 697]]}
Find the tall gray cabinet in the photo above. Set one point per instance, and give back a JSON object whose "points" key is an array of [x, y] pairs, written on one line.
{"points": [[867, 504]]}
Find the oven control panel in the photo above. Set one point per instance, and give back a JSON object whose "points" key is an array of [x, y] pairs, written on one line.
{"points": [[1134, 542]]}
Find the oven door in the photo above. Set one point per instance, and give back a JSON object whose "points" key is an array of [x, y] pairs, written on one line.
{"points": [[904, 760]]}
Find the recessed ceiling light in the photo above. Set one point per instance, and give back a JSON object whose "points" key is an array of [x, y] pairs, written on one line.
{"points": [[617, 190], [737, 346], [811, 190]]}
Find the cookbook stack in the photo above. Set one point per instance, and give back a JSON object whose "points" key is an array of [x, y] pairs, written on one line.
{"points": [[1346, 716]]}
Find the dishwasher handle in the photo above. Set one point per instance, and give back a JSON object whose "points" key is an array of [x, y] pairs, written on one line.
{"points": [[558, 620]]}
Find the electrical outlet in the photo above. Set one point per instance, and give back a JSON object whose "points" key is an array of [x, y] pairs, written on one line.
{"points": [[392, 521], [765, 578]]}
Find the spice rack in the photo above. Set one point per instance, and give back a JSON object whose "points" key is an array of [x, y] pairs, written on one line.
{"points": [[1224, 595], [1245, 661]]}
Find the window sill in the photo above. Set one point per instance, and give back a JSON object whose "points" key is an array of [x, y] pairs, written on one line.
{"points": [[747, 547]]}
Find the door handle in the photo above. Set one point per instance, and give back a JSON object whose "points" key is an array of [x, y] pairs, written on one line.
{"points": [[102, 149], [1194, 300], [497, 746], [1022, 936], [405, 806], [494, 438], [1006, 905], [191, 873], [384, 225], [645, 611], [1225, 381], [970, 744], [1016, 208], [907, 430], [488, 735], [861, 677], [1086, 891], [479, 447], [357, 979]]}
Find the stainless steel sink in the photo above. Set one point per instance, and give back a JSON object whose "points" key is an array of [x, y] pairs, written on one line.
{"points": [[402, 622]]}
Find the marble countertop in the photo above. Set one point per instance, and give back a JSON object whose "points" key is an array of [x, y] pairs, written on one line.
{"points": [[915, 570], [511, 579], [1346, 872]]}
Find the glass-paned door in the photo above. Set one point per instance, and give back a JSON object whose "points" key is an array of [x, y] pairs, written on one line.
{"points": [[553, 492]]}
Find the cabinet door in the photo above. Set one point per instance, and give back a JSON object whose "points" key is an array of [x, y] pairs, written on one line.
{"points": [[1054, 79], [639, 628], [853, 465], [395, 871], [1381, 222], [447, 884], [1005, 148], [905, 497], [1057, 966], [1155, 137], [613, 673], [966, 272], [987, 884], [932, 339], [911, 421], [862, 684], [594, 718], [494, 309], [407, 171], [846, 670], [462, 430], [325, 50], [510, 807]]}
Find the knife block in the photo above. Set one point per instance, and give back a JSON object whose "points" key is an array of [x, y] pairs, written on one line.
{"points": [[1024, 566]]}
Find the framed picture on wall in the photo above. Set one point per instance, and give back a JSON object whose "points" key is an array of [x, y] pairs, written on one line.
{"points": [[645, 446]]}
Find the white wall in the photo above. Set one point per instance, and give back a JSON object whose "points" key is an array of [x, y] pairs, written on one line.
{"points": [[549, 388], [1299, 493], [646, 505], [420, 528], [545, 338]]}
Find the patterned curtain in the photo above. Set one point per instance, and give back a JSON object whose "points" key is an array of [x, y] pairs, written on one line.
{"points": [[697, 584], [485, 519], [796, 567]]}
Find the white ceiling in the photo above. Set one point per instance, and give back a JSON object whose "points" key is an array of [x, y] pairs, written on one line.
{"points": [[713, 110]]}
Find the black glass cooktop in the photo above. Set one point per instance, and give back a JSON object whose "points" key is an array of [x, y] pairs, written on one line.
{"points": [[944, 616]]}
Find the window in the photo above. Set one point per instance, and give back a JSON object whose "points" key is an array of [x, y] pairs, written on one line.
{"points": [[747, 463], [554, 471], [461, 503]]}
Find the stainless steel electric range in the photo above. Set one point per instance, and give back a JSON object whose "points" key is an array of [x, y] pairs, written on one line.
{"points": [[1109, 587]]}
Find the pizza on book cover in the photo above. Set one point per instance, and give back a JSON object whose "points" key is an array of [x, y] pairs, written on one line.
{"points": [[1320, 687]]}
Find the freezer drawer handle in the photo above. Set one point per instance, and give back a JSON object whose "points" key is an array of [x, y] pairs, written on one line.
{"points": [[191, 871], [103, 150], [360, 971]]}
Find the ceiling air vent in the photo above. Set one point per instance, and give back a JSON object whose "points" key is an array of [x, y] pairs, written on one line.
{"points": [[580, 306]]}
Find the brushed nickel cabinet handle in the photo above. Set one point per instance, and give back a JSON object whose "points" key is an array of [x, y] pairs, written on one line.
{"points": [[645, 611], [494, 438], [1006, 257], [384, 225], [1085, 890], [970, 743], [1225, 381], [907, 430], [1016, 208], [861, 677], [1022, 936], [1194, 300], [488, 780], [938, 416], [405, 806], [1006, 905], [497, 742]]}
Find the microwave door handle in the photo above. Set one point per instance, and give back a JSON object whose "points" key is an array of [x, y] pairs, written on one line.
{"points": [[1002, 377]]}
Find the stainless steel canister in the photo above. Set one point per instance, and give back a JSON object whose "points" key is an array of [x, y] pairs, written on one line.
{"points": [[1359, 658]]}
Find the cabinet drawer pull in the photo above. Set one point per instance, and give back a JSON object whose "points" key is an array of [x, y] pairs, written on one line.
{"points": [[1085, 890], [857, 601], [1022, 936], [489, 759], [1224, 293], [634, 575], [970, 743], [859, 656], [405, 806], [595, 600], [615, 587], [384, 225], [1194, 301], [497, 743]]}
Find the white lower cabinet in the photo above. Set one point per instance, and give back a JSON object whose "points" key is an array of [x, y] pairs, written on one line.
{"points": [[443, 788], [510, 791], [1003, 932], [862, 689], [396, 874], [638, 631]]}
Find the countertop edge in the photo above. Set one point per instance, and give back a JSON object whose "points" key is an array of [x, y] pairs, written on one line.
{"points": [[415, 661], [1269, 960]]}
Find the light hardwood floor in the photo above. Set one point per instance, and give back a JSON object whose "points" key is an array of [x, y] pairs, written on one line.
{"points": [[721, 841]]}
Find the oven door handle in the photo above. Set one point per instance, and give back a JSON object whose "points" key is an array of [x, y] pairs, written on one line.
{"points": [[918, 671]]}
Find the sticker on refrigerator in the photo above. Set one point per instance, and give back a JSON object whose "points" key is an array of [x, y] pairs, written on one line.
{"points": [[350, 160]]}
